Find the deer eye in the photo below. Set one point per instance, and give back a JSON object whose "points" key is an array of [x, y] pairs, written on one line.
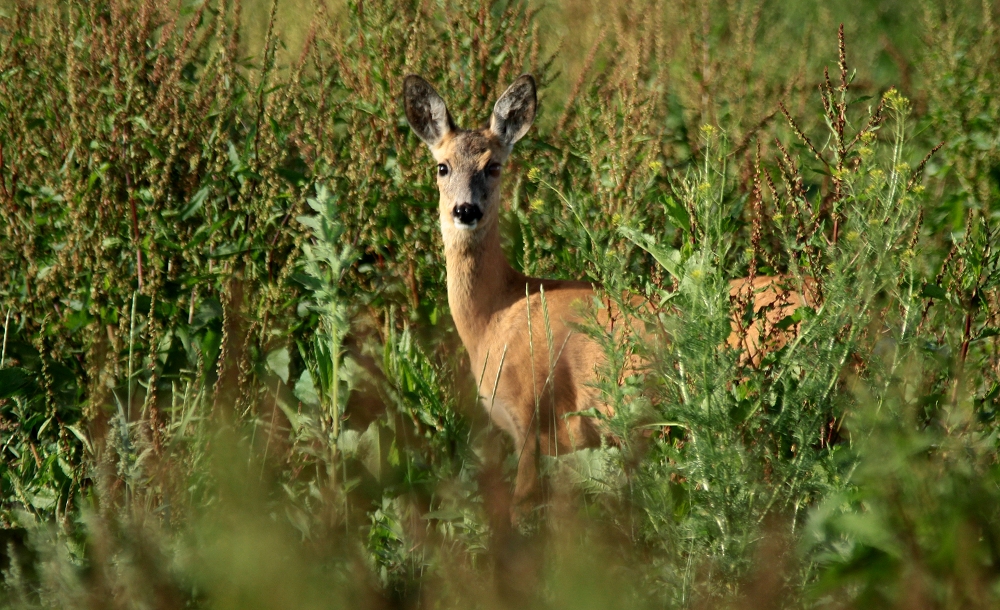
{"points": [[442, 169], [493, 170]]}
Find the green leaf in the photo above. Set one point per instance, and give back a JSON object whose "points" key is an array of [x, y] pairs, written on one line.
{"points": [[591, 412], [993, 393], [196, 203], [313, 222], [677, 213], [668, 258], [43, 499], [305, 389], [348, 442], [278, 361], [291, 414], [13, 381], [799, 315], [153, 150], [83, 439], [228, 249], [932, 291], [294, 177], [987, 332]]}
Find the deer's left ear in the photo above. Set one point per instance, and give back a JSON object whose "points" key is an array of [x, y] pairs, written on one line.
{"points": [[515, 111]]}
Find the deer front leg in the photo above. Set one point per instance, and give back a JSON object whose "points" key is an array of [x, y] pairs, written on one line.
{"points": [[526, 486]]}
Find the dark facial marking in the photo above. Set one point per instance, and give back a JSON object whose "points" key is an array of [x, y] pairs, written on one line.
{"points": [[478, 188], [469, 150]]}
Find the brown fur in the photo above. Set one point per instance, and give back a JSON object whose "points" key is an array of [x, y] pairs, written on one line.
{"points": [[491, 302]]}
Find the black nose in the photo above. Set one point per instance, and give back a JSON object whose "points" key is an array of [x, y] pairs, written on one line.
{"points": [[467, 213]]}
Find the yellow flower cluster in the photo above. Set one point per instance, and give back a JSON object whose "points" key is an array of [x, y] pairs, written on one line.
{"points": [[896, 101]]}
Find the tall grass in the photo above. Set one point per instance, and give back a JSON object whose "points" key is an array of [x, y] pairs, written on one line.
{"points": [[229, 377]]}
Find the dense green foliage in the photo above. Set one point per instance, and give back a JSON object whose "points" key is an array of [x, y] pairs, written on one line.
{"points": [[229, 378]]}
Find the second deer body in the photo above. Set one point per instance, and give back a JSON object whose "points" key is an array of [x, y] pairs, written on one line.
{"points": [[533, 369]]}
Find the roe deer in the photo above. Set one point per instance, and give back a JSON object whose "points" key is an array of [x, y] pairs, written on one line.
{"points": [[527, 386]]}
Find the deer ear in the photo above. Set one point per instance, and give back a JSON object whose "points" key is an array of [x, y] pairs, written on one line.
{"points": [[426, 111], [515, 110]]}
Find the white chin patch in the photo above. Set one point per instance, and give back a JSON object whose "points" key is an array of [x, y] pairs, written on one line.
{"points": [[465, 227]]}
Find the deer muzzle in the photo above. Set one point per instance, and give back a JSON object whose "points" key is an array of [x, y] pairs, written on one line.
{"points": [[467, 215]]}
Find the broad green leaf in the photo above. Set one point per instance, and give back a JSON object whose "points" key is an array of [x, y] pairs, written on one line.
{"points": [[932, 291], [13, 381], [278, 361], [305, 389]]}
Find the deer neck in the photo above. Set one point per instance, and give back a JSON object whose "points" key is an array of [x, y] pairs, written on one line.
{"points": [[480, 281]]}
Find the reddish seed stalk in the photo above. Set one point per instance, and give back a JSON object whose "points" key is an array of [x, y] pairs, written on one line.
{"points": [[966, 337], [138, 249], [3, 179], [135, 232]]}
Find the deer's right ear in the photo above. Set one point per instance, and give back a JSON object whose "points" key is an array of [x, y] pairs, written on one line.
{"points": [[426, 111]]}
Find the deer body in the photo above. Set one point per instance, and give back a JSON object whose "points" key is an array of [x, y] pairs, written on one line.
{"points": [[530, 382], [517, 365]]}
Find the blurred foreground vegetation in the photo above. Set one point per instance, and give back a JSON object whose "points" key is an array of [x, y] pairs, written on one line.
{"points": [[229, 378]]}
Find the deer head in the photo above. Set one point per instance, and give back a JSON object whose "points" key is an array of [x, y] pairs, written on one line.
{"points": [[469, 161]]}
